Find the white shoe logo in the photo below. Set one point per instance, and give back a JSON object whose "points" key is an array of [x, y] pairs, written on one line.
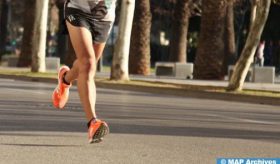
{"points": [[71, 18]]}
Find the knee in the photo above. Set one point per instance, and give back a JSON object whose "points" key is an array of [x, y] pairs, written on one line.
{"points": [[87, 66]]}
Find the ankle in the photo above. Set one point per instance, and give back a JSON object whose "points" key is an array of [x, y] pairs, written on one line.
{"points": [[64, 79], [91, 120]]}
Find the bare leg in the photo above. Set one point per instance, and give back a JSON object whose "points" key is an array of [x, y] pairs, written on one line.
{"points": [[74, 72], [84, 67]]}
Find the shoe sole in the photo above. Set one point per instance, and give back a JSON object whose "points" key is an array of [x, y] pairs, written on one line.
{"points": [[99, 134]]}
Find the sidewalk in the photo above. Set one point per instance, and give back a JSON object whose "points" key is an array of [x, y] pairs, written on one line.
{"points": [[171, 80], [257, 93]]}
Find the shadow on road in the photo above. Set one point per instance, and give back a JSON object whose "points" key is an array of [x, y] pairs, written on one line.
{"points": [[23, 116]]}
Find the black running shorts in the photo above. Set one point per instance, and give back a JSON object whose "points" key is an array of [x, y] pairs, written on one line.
{"points": [[95, 23]]}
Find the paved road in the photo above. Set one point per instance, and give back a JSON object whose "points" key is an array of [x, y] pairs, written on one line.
{"points": [[145, 128]]}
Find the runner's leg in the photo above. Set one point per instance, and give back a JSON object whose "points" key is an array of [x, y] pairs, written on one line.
{"points": [[85, 65], [74, 72]]}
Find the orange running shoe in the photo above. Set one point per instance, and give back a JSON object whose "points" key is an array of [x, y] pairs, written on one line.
{"points": [[61, 93], [97, 129]]}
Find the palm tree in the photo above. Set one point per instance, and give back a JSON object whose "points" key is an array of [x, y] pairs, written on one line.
{"points": [[229, 38], [5, 7], [210, 52], [180, 24], [35, 35], [28, 24], [62, 39], [139, 56]]}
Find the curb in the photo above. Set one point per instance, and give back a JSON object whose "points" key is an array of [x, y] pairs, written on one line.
{"points": [[196, 94], [168, 91]]}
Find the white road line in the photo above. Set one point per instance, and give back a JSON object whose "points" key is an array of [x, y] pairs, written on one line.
{"points": [[26, 91], [6, 80], [248, 120]]}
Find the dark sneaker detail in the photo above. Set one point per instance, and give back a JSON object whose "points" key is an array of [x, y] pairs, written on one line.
{"points": [[97, 130]]}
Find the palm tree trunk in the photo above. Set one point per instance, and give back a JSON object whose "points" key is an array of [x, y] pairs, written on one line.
{"points": [[211, 48], [230, 48], [5, 7], [180, 24], [29, 22], [62, 39], [139, 58], [242, 66]]}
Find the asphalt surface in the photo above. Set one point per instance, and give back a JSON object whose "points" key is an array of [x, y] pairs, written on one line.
{"points": [[145, 128]]}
